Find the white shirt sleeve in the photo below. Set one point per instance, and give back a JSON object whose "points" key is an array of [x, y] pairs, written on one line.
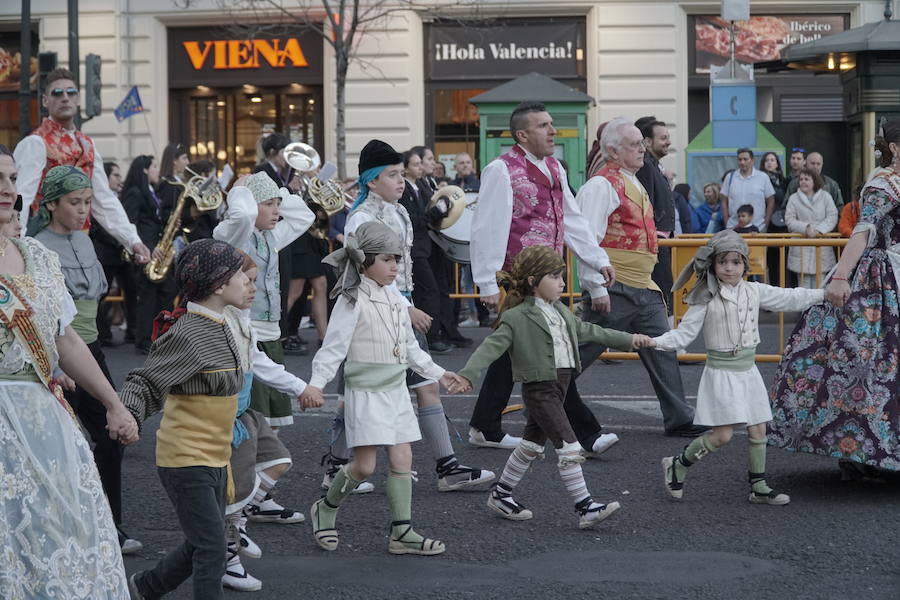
{"points": [[490, 227], [107, 209], [240, 218], [336, 343], [356, 219], [296, 219], [686, 332], [419, 360], [578, 235], [273, 374], [597, 199], [778, 299], [31, 158]]}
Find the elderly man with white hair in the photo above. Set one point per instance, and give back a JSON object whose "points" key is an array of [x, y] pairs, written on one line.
{"points": [[621, 216]]}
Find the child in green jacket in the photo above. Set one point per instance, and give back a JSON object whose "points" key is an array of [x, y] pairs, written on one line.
{"points": [[542, 337]]}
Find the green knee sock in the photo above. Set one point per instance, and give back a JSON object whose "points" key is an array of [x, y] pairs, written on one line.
{"points": [[399, 493], [694, 451], [757, 460], [341, 487]]}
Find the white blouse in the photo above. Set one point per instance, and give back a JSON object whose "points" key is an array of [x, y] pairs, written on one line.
{"points": [[368, 331], [731, 319]]}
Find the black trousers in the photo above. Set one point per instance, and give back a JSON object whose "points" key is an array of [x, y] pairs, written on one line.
{"points": [[284, 282], [426, 295], [662, 275], [107, 452], [124, 275], [152, 298], [496, 390], [442, 268]]}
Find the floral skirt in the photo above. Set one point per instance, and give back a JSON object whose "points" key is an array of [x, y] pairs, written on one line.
{"points": [[57, 532], [837, 389]]}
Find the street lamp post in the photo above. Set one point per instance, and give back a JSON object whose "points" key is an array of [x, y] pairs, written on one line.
{"points": [[25, 76]]}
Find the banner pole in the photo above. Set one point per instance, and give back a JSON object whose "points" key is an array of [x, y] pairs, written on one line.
{"points": [[150, 133]]}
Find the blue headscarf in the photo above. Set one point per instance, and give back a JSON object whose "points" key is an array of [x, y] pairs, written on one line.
{"points": [[364, 179]]}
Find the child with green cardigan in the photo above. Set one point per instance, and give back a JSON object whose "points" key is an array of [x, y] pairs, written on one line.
{"points": [[542, 338]]}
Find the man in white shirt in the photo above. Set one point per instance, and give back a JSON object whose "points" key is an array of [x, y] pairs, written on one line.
{"points": [[525, 200], [621, 216], [58, 142], [748, 186]]}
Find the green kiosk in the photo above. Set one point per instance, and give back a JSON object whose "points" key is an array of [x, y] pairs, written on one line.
{"points": [[568, 107]]}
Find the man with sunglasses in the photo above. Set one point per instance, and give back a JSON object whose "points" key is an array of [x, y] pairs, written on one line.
{"points": [[57, 142]]}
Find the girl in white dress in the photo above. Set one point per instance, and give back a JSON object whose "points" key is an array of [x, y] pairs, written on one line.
{"points": [[370, 328], [731, 389]]}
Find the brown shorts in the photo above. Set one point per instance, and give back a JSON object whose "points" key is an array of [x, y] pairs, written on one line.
{"points": [[546, 417], [262, 448]]}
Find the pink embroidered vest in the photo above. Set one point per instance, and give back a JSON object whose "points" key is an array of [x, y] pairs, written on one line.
{"points": [[537, 210], [631, 225]]}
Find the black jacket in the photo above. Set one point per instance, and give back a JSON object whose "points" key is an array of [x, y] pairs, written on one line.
{"points": [[273, 174], [142, 211], [470, 183], [420, 218], [657, 187]]}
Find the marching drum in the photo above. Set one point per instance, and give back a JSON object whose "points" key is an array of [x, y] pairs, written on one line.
{"points": [[454, 239]]}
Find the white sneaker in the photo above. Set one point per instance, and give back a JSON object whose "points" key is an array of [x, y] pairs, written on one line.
{"points": [[237, 578], [592, 516], [270, 511], [603, 443], [470, 322], [363, 488], [476, 438], [247, 547]]}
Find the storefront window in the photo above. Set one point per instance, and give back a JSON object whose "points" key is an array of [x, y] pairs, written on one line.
{"points": [[227, 127], [455, 125]]}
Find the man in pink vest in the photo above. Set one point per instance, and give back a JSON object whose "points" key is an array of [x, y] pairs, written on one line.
{"points": [[525, 200], [621, 216]]}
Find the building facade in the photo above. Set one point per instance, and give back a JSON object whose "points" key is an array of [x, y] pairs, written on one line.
{"points": [[215, 86]]}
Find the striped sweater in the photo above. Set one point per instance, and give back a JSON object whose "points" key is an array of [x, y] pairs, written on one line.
{"points": [[197, 356]]}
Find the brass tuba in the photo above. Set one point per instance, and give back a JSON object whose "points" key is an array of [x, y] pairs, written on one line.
{"points": [[206, 195], [327, 193]]}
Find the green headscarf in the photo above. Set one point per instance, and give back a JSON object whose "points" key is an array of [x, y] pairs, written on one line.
{"points": [[58, 182]]}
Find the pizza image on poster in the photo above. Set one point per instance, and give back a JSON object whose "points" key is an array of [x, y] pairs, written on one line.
{"points": [[762, 38]]}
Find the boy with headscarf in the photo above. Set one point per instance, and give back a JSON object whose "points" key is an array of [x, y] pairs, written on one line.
{"points": [[195, 369], [370, 328], [542, 337], [732, 391], [66, 196]]}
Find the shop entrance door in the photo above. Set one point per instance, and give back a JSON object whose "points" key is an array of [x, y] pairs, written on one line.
{"points": [[226, 126]]}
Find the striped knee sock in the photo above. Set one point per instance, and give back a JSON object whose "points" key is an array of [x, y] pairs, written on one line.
{"points": [[569, 465], [518, 463]]}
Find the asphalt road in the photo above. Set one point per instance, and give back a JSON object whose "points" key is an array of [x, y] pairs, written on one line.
{"points": [[835, 540]]}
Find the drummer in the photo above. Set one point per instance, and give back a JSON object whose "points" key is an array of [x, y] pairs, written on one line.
{"points": [[524, 201]]}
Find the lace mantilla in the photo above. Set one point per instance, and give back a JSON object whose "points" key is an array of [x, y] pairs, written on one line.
{"points": [[44, 287]]}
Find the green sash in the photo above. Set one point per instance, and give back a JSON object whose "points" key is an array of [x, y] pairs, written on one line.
{"points": [[85, 321], [374, 377], [743, 360]]}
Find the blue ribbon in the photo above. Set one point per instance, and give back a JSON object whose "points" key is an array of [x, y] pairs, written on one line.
{"points": [[239, 433], [363, 184]]}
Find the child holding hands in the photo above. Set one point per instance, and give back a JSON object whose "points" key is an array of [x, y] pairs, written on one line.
{"points": [[542, 338], [731, 389], [371, 329]]}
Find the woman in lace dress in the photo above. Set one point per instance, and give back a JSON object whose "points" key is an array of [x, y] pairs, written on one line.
{"points": [[837, 390], [56, 529]]}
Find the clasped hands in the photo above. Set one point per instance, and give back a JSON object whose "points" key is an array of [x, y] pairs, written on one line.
{"points": [[455, 384], [121, 425], [312, 397]]}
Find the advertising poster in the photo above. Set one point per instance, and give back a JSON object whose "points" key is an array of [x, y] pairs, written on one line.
{"points": [[11, 67], [759, 39]]}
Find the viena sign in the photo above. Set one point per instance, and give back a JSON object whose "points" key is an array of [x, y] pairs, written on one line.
{"points": [[504, 49], [245, 54], [206, 56]]}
